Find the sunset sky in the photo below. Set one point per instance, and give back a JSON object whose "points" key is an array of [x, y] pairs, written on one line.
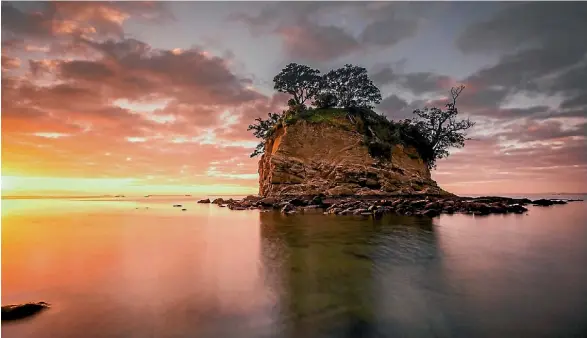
{"points": [[137, 97]]}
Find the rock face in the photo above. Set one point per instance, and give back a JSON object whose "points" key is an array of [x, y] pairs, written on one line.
{"points": [[332, 159]]}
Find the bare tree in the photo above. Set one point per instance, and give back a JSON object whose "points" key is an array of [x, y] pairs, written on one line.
{"points": [[442, 129]]}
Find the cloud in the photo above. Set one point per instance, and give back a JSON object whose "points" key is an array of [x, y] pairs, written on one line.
{"points": [[307, 32], [9, 62], [524, 24], [395, 107], [558, 165], [389, 31], [418, 83], [87, 18], [81, 94], [531, 131], [117, 91], [541, 51], [308, 41], [132, 69]]}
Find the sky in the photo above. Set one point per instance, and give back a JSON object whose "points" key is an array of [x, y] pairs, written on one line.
{"points": [[156, 97]]}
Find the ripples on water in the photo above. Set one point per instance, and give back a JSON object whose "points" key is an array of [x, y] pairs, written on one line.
{"points": [[112, 270]]}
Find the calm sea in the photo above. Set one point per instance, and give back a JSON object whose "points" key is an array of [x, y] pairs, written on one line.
{"points": [[142, 268]]}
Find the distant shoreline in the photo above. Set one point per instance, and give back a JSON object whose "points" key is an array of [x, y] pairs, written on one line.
{"points": [[196, 196], [114, 196]]}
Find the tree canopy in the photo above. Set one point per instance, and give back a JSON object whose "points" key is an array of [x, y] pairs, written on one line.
{"points": [[325, 100], [352, 87], [302, 82]]}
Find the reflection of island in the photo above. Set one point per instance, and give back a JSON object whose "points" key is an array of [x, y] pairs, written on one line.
{"points": [[329, 276]]}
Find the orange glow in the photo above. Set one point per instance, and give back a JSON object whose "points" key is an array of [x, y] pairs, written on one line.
{"points": [[61, 254], [34, 186]]}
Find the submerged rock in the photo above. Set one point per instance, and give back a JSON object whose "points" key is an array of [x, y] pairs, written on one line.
{"points": [[20, 311]]}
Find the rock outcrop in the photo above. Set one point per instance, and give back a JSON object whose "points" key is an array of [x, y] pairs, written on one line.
{"points": [[304, 159]]}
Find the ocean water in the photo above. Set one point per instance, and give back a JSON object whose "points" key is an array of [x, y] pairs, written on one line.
{"points": [[142, 268]]}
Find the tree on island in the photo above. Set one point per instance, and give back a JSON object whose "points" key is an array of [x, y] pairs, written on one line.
{"points": [[441, 128], [301, 81], [352, 87], [325, 101]]}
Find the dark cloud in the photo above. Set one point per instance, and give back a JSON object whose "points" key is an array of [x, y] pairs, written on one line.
{"points": [[132, 69], [275, 14], [18, 23], [311, 42], [384, 76], [541, 49], [575, 102], [75, 18], [531, 131], [90, 70], [419, 83], [486, 98], [299, 25], [525, 25], [424, 82], [522, 71], [394, 107], [522, 112], [389, 31]]}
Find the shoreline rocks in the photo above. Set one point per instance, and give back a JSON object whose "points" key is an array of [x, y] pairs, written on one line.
{"points": [[21, 311], [410, 205]]}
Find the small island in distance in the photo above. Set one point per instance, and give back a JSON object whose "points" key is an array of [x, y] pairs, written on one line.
{"points": [[342, 157]]}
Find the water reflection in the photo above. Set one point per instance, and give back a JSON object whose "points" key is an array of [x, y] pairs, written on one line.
{"points": [[117, 271], [334, 273]]}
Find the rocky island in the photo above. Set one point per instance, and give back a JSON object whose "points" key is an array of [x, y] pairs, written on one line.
{"points": [[325, 164], [341, 157]]}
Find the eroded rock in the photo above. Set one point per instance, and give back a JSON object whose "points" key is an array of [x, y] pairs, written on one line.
{"points": [[305, 159]]}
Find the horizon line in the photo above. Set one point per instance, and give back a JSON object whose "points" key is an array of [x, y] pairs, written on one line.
{"points": [[208, 195]]}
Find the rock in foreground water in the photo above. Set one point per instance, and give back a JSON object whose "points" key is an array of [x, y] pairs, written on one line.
{"points": [[20, 311]]}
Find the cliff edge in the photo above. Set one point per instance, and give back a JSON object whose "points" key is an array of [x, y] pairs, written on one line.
{"points": [[329, 154]]}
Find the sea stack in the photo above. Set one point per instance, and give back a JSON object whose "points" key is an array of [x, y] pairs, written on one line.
{"points": [[332, 156]]}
